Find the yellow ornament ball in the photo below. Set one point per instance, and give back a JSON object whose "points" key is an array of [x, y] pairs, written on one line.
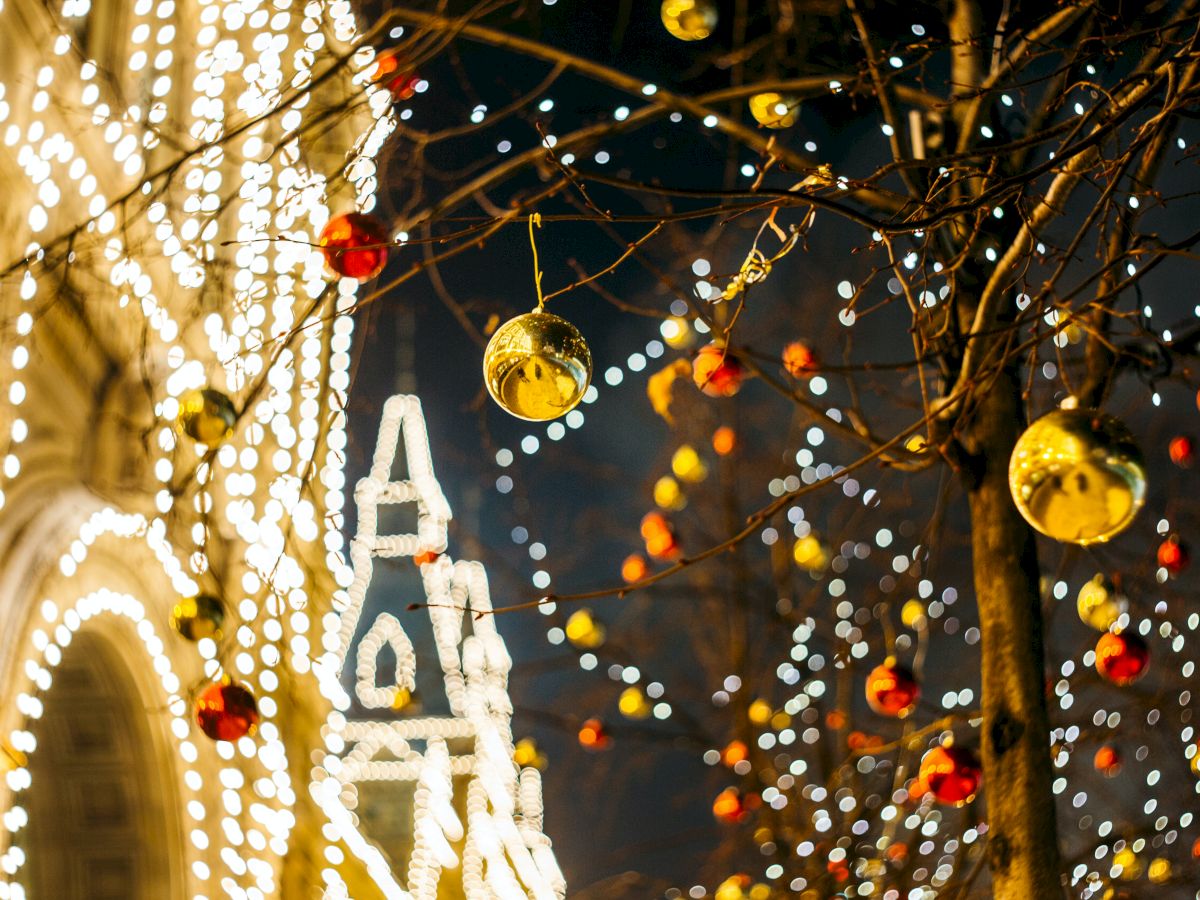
{"points": [[688, 466], [689, 20], [1099, 603], [912, 613], [1077, 476], [206, 416], [810, 554], [772, 110], [759, 712], [1131, 866], [668, 495], [584, 631], [526, 753], [633, 703], [537, 366], [198, 617]]}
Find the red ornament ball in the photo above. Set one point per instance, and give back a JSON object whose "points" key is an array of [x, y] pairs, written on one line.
{"points": [[393, 73], [717, 372], [355, 246], [594, 736], [1121, 658], [952, 774], [1183, 451], [1107, 761], [226, 712], [892, 690], [1173, 555], [800, 360]]}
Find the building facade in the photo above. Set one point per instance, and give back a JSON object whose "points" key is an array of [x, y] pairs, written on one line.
{"points": [[168, 166]]}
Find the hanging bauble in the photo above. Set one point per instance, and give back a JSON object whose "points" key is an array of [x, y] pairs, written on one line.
{"points": [[689, 20], [1173, 555], [634, 704], [1121, 657], [730, 807], [724, 440], [355, 246], [584, 631], [206, 416], [226, 711], [810, 554], [951, 774], [425, 557], [633, 568], [772, 110], [1107, 761], [892, 690], [537, 366], [717, 372], [594, 736], [687, 465], [1183, 451], [659, 537], [393, 72], [735, 752], [1077, 476], [198, 617], [800, 360], [526, 753], [668, 494], [1100, 604]]}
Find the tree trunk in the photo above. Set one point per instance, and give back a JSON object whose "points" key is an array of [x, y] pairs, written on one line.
{"points": [[1022, 848]]}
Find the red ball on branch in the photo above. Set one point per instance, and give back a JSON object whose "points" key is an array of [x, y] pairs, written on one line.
{"points": [[226, 712], [1173, 555], [1121, 658], [717, 372], [892, 690], [1183, 451], [392, 71], [1107, 761], [594, 736], [952, 774], [800, 360], [355, 246]]}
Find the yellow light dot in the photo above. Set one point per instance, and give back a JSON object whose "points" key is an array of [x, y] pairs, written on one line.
{"points": [[688, 466], [759, 712]]}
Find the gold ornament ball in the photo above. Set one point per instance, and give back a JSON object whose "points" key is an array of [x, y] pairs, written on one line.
{"points": [[198, 617], [1100, 604], [689, 20], [1077, 476], [772, 110], [206, 416], [537, 366]]}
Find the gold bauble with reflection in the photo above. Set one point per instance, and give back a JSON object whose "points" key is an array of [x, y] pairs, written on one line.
{"points": [[537, 366], [1077, 476], [689, 20], [206, 416], [772, 110], [199, 617], [1100, 604]]}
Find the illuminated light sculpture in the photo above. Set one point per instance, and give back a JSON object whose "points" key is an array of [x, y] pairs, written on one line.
{"points": [[1077, 476], [503, 850]]}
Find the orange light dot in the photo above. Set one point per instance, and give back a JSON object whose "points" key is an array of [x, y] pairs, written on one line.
{"points": [[734, 753], [633, 568], [724, 440]]}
